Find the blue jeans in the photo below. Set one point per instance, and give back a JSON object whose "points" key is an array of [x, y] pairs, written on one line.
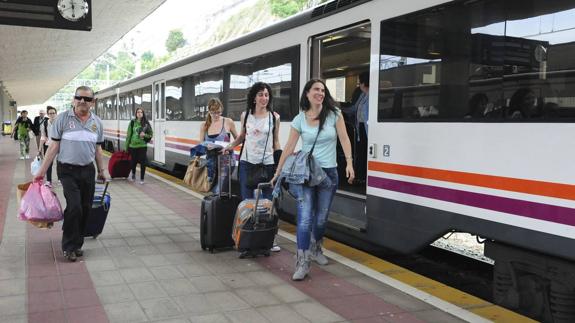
{"points": [[313, 207], [248, 193]]}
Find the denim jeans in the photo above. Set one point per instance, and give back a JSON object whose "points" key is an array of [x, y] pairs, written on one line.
{"points": [[313, 207], [248, 193]]}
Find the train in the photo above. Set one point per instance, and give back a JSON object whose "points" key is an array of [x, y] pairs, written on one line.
{"points": [[471, 110]]}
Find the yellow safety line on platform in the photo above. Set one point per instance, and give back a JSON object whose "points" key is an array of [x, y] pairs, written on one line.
{"points": [[448, 294], [451, 295]]}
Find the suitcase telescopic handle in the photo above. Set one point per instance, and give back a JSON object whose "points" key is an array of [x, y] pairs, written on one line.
{"points": [[258, 194], [104, 192]]}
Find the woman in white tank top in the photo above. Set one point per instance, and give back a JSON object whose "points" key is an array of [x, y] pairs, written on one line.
{"points": [[261, 133]]}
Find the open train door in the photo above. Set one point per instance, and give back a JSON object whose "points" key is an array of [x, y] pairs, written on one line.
{"points": [[339, 57], [159, 114]]}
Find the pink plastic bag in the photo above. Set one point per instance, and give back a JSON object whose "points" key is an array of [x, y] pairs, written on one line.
{"points": [[40, 204]]}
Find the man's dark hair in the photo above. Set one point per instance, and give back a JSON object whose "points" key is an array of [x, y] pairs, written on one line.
{"points": [[48, 108], [23, 111], [364, 78]]}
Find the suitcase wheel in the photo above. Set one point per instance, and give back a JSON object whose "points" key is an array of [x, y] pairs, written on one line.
{"points": [[211, 249], [267, 253], [95, 236]]}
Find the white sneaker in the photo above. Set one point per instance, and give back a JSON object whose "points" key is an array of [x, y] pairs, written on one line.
{"points": [[141, 182], [27, 156], [275, 248], [21, 157]]}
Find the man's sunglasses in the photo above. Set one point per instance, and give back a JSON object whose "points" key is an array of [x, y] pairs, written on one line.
{"points": [[86, 98]]}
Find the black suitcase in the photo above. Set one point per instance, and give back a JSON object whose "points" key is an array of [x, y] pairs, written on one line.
{"points": [[255, 225], [218, 211], [99, 213]]}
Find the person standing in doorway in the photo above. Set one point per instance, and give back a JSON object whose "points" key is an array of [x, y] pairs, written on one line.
{"points": [[362, 117], [45, 139], [77, 135], [138, 135]]}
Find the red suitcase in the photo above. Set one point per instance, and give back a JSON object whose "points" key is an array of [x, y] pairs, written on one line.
{"points": [[119, 164]]}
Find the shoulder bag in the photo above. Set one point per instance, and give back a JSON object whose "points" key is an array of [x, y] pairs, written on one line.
{"points": [[197, 175]]}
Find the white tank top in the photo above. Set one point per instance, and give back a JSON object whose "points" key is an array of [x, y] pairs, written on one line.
{"points": [[258, 130]]}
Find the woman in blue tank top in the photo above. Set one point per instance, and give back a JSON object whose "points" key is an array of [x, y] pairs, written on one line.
{"points": [[216, 128]]}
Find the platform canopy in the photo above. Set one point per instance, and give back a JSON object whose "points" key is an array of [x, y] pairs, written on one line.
{"points": [[36, 62]]}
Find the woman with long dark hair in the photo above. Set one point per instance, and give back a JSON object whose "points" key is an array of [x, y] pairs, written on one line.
{"points": [[260, 129], [319, 124], [138, 135]]}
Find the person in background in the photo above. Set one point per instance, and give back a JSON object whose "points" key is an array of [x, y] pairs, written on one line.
{"points": [[319, 118], [22, 129], [39, 121], [216, 129], [45, 141], [77, 135], [361, 121], [523, 104], [138, 135]]}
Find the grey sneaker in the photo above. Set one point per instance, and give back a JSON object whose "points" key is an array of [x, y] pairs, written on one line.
{"points": [[316, 253], [302, 265]]}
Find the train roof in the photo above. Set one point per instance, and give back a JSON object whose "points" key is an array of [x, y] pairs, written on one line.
{"points": [[319, 12]]}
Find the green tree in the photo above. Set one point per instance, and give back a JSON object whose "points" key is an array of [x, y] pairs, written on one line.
{"points": [[175, 40], [286, 8]]}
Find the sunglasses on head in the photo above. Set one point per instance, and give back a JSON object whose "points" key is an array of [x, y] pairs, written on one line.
{"points": [[85, 98]]}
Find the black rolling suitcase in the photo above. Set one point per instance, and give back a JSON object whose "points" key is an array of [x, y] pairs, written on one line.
{"points": [[218, 211], [99, 213], [255, 225]]}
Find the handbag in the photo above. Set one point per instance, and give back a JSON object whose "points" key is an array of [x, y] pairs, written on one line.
{"points": [[302, 168], [197, 175]]}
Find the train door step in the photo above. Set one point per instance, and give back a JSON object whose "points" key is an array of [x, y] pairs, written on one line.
{"points": [[347, 222]]}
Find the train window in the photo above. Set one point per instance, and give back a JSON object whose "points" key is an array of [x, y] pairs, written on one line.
{"points": [[124, 108], [517, 54], [539, 63], [207, 85], [174, 104], [278, 69], [100, 108], [147, 101], [110, 108], [442, 63], [137, 100]]}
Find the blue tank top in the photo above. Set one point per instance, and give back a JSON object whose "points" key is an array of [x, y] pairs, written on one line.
{"points": [[222, 136]]}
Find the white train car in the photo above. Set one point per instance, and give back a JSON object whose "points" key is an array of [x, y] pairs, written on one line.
{"points": [[471, 116]]}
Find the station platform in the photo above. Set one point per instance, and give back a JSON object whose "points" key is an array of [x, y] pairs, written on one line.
{"points": [[147, 266]]}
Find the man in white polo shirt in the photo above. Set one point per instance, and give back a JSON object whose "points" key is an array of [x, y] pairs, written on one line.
{"points": [[76, 138]]}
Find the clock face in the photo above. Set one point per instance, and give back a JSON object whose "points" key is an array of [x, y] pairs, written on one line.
{"points": [[73, 10]]}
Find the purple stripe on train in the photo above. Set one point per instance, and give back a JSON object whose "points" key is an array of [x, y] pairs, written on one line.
{"points": [[534, 210]]}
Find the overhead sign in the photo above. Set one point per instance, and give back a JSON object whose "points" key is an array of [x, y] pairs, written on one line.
{"points": [[58, 14]]}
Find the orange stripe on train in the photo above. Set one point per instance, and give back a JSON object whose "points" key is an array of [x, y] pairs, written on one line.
{"points": [[558, 190]]}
